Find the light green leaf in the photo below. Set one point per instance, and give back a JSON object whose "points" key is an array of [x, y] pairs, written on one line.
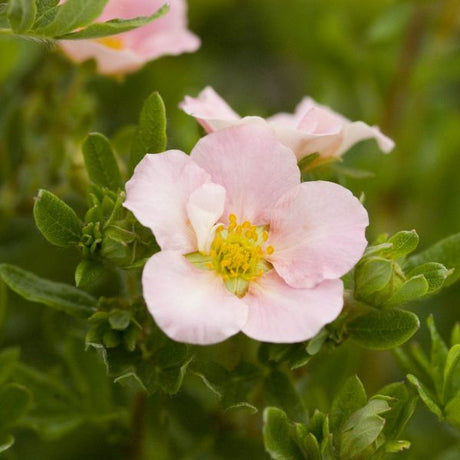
{"points": [[60, 296], [455, 335], [438, 356], [151, 133], [371, 276], [350, 398], [403, 243], [452, 411], [120, 319], [425, 395], [411, 289], [71, 15], [6, 441], [281, 393], [56, 220], [114, 26], [445, 252], [452, 360], [100, 162], [277, 438], [307, 442], [434, 273], [393, 447], [21, 14], [383, 329]]}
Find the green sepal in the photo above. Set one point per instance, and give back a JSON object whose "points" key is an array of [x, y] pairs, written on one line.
{"points": [[199, 260], [238, 286]]}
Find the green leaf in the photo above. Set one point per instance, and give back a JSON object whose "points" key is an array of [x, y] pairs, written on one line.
{"points": [[281, 393], [371, 276], [350, 398], [71, 15], [434, 273], [448, 387], [60, 296], [151, 133], [120, 319], [403, 243], [307, 443], [383, 329], [6, 441], [8, 359], [100, 162], [21, 14], [88, 271], [452, 411], [14, 403], [438, 356], [56, 220], [362, 428], [445, 252], [402, 408], [411, 289], [425, 395], [114, 26], [393, 447], [277, 438], [455, 335]]}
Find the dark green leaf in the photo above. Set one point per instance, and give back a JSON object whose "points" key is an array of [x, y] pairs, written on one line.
{"points": [[88, 272], [452, 411], [350, 398], [438, 356], [151, 133], [8, 359], [71, 15], [21, 14], [100, 162], [114, 26], [57, 221], [277, 438], [280, 392], [60, 296], [120, 319], [383, 329], [14, 403], [445, 252]]}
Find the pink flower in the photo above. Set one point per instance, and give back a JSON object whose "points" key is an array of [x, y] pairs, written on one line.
{"points": [[129, 51], [245, 246], [313, 128]]}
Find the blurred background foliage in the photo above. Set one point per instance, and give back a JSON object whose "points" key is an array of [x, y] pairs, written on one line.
{"points": [[394, 63]]}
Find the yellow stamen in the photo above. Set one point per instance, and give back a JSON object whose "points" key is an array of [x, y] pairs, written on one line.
{"points": [[111, 42]]}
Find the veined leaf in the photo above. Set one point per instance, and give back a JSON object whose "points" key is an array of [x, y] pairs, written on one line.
{"points": [[21, 14]]}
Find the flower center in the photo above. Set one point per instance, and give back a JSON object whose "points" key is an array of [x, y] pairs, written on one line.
{"points": [[237, 254], [111, 42]]}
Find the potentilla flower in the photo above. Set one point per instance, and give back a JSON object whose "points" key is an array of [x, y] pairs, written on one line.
{"points": [[313, 128], [245, 246], [129, 51]]}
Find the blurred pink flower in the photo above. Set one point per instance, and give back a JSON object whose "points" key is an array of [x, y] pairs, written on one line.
{"points": [[245, 246], [313, 128], [129, 51]]}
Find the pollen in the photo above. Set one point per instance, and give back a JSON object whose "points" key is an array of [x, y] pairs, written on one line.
{"points": [[239, 250], [111, 42]]}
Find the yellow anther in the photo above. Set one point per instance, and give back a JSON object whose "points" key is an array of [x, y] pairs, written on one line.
{"points": [[232, 218], [265, 235], [246, 224], [209, 265], [270, 249]]}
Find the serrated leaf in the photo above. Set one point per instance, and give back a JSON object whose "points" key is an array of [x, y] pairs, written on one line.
{"points": [[277, 438], [448, 387], [114, 26], [100, 162], [21, 14], [14, 403], [383, 329], [56, 220], [445, 252], [59, 296], [403, 243], [425, 395], [280, 392], [351, 397], [412, 289], [71, 15], [151, 132]]}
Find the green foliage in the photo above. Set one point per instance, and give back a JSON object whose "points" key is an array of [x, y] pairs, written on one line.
{"points": [[100, 162], [55, 295], [437, 377], [57, 221], [21, 14], [355, 427], [150, 135]]}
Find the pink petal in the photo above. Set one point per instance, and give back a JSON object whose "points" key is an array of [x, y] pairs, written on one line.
{"points": [[109, 61], [359, 131], [158, 193], [292, 120], [205, 206], [210, 110], [188, 304], [252, 166], [280, 313], [318, 232]]}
